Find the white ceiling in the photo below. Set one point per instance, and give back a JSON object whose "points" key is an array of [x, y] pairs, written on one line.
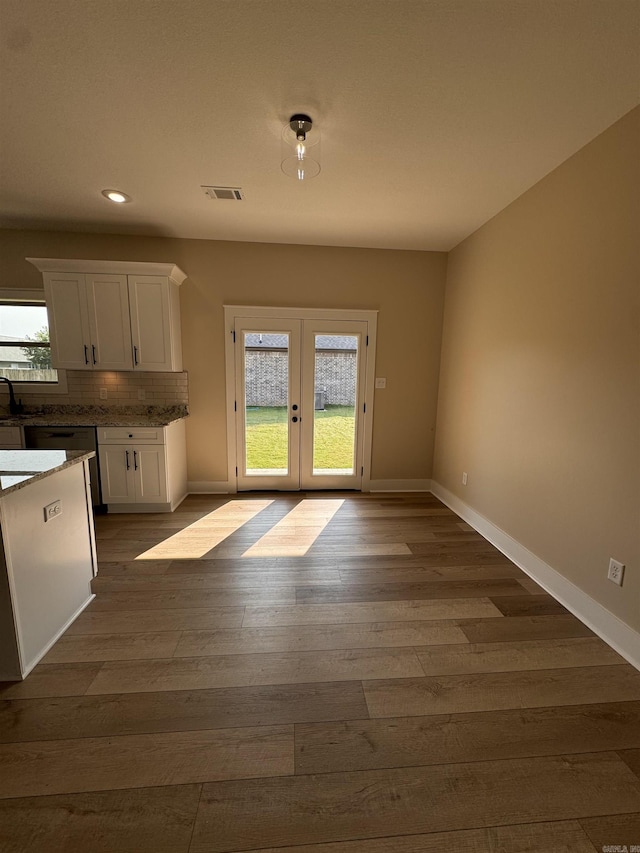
{"points": [[434, 114]]}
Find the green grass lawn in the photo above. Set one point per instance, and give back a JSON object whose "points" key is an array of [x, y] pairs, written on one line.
{"points": [[267, 437]]}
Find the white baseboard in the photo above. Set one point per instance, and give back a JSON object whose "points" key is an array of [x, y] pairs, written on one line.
{"points": [[211, 487], [605, 624], [399, 486], [224, 487]]}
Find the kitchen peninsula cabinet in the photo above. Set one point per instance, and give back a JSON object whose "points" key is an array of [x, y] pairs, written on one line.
{"points": [[142, 469], [47, 552], [113, 315]]}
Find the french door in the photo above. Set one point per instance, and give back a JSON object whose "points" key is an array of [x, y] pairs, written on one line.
{"points": [[300, 401]]}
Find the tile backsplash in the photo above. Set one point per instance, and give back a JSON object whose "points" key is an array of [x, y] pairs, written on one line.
{"points": [[83, 388]]}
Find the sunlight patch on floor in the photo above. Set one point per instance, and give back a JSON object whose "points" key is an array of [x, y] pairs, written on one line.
{"points": [[293, 535], [199, 538]]}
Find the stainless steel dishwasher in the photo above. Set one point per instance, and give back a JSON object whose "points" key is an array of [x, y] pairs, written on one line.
{"points": [[68, 438]]}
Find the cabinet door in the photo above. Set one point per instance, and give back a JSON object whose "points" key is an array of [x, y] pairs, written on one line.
{"points": [[150, 322], [108, 306], [117, 474], [66, 298], [150, 471]]}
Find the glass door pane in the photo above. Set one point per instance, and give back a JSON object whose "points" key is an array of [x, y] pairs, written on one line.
{"points": [[266, 403], [333, 376], [335, 402]]}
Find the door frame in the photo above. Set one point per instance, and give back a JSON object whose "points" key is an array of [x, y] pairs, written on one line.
{"points": [[370, 317]]}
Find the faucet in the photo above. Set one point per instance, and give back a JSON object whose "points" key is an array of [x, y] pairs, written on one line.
{"points": [[15, 408]]}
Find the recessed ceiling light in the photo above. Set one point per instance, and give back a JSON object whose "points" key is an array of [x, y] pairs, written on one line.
{"points": [[116, 196]]}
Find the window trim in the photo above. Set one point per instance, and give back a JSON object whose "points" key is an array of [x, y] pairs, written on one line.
{"points": [[33, 296]]}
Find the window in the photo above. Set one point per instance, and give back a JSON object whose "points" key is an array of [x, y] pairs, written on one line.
{"points": [[25, 351]]}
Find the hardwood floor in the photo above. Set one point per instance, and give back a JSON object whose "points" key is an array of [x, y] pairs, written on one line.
{"points": [[365, 675]]}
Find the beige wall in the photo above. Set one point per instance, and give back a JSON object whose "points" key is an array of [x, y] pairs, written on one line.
{"points": [[540, 383], [407, 288]]}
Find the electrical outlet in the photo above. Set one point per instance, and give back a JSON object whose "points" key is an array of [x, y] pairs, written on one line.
{"points": [[381, 382], [103, 393], [142, 394], [52, 510], [616, 571], [464, 478]]}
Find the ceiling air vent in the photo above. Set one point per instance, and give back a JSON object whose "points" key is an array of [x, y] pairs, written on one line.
{"points": [[224, 193]]}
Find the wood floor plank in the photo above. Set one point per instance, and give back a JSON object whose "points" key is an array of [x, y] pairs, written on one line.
{"points": [[149, 621], [180, 599], [139, 761], [515, 628], [217, 580], [348, 593], [558, 837], [632, 758], [477, 550], [417, 574], [133, 567], [239, 564], [60, 679], [314, 637], [244, 670], [458, 659], [143, 820], [182, 710], [531, 586], [245, 815], [616, 832], [227, 551], [99, 647], [451, 694], [530, 605], [399, 512], [377, 611], [330, 747], [355, 561]]}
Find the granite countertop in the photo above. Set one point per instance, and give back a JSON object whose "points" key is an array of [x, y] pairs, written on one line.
{"points": [[19, 468], [96, 416]]}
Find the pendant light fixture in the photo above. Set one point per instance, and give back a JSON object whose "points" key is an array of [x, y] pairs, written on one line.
{"points": [[300, 148]]}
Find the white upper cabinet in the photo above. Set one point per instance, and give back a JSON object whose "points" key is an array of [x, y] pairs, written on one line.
{"points": [[109, 325], [68, 320], [113, 315], [155, 323]]}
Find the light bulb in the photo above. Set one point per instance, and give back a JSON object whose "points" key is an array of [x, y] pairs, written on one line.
{"points": [[116, 196], [300, 149]]}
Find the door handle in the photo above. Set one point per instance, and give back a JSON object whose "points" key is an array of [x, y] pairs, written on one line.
{"points": [[294, 419], [294, 407], [93, 353], [126, 456], [135, 460], [135, 354], [86, 354]]}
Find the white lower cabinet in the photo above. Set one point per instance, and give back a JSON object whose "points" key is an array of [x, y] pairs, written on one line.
{"points": [[143, 469]]}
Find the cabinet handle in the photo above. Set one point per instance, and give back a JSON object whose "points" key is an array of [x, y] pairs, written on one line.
{"points": [[135, 460], [126, 455], [135, 354], [93, 353], [86, 354]]}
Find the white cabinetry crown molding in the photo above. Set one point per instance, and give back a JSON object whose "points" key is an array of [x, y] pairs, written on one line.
{"points": [[108, 267]]}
